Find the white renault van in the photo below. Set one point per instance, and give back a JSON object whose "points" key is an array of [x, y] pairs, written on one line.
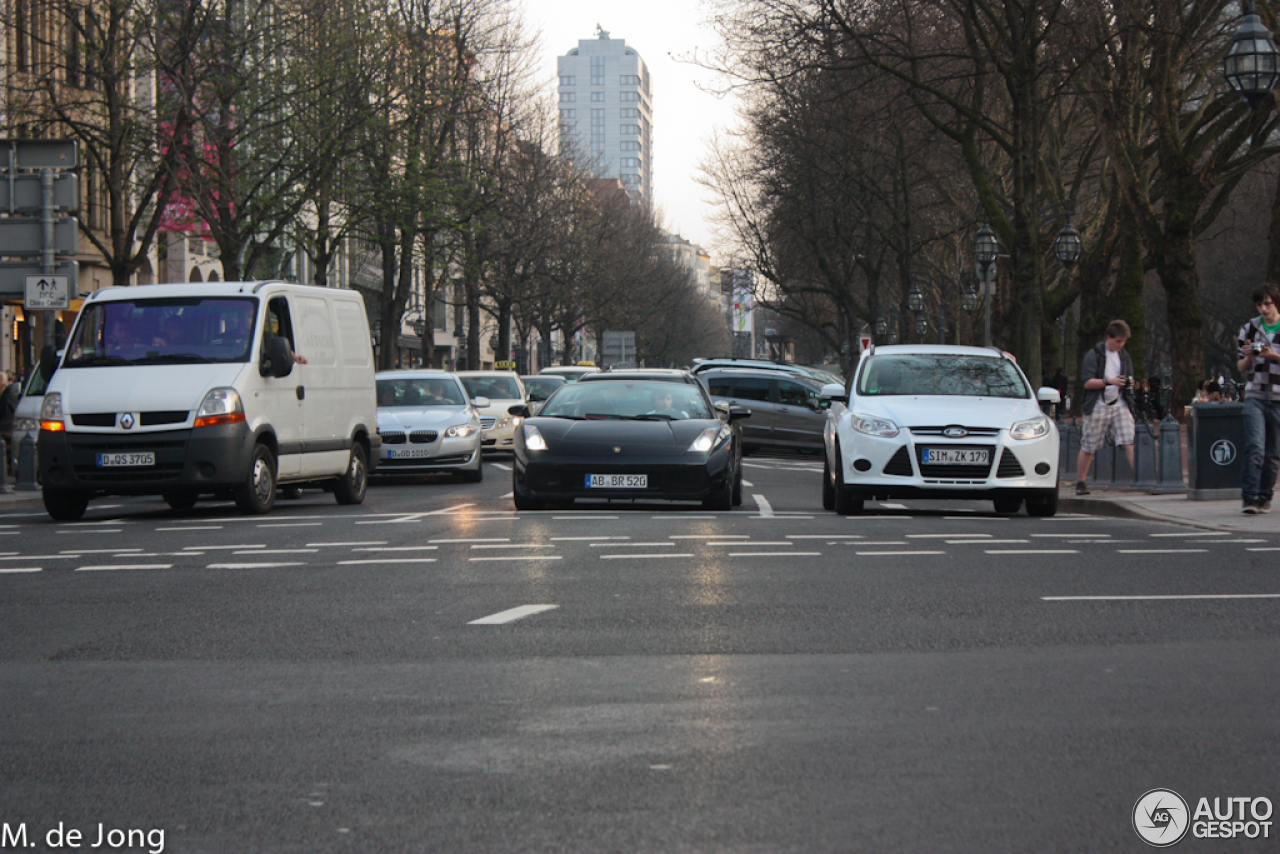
{"points": [[222, 388]]}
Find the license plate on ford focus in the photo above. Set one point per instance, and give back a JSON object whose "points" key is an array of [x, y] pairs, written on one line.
{"points": [[617, 481], [954, 456], [143, 459]]}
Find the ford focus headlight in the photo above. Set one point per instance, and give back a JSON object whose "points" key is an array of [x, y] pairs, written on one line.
{"points": [[1034, 428], [533, 440], [460, 431], [874, 426]]}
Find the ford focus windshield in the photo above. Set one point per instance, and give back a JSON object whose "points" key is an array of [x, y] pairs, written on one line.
{"points": [[163, 331], [928, 374]]}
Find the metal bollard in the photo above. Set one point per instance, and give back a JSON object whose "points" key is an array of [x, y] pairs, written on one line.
{"points": [[5, 488], [1144, 456], [1068, 450], [1169, 455], [27, 464]]}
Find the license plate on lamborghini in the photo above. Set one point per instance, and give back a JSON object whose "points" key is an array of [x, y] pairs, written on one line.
{"points": [[617, 481], [954, 456], [143, 459]]}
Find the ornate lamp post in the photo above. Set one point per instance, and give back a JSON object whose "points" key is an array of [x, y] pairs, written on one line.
{"points": [[1252, 63]]}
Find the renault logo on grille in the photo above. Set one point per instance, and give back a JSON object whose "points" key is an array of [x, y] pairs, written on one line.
{"points": [[955, 432], [126, 421]]}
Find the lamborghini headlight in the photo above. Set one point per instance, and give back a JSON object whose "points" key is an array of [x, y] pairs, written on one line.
{"points": [[533, 440]]}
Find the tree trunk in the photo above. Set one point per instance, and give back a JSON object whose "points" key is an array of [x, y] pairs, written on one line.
{"points": [[1180, 277]]}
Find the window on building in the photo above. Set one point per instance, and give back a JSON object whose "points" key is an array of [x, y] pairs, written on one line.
{"points": [[629, 80], [629, 113], [629, 129], [597, 71], [568, 97], [568, 80], [597, 97], [629, 96], [629, 145], [568, 114]]}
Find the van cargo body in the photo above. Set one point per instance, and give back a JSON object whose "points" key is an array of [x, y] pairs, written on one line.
{"points": [[187, 390]]}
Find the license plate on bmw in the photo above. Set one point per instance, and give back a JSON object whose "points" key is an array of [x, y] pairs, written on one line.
{"points": [[954, 456], [617, 481], [144, 459]]}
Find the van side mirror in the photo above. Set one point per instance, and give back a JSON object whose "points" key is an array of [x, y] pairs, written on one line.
{"points": [[277, 360], [48, 362]]}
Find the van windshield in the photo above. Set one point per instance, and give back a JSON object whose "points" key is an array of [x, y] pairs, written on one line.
{"points": [[163, 331]]}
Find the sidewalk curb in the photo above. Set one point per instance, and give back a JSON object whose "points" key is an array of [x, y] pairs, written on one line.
{"points": [[1120, 509]]}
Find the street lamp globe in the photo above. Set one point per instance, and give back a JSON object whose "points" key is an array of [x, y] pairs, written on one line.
{"points": [[915, 299], [1068, 246], [922, 325], [882, 326], [969, 302], [419, 327], [1252, 64], [985, 245]]}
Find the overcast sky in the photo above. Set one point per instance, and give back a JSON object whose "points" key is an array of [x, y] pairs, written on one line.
{"points": [[663, 32]]}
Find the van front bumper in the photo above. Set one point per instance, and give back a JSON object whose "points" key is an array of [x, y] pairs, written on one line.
{"points": [[204, 459]]}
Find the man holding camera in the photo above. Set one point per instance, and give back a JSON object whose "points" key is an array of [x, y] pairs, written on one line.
{"points": [[1108, 399], [1260, 363]]}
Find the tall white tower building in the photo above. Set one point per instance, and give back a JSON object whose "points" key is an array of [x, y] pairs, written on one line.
{"points": [[606, 112]]}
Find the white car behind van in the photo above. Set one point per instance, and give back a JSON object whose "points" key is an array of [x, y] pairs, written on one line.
{"points": [[226, 389]]}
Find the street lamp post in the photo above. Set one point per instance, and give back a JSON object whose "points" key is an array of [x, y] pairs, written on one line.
{"points": [[1067, 247], [1252, 63]]}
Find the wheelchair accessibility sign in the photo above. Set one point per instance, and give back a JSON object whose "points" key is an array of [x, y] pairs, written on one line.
{"points": [[1223, 452]]}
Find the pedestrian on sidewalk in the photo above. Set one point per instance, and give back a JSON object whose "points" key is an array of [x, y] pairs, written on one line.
{"points": [[1108, 399], [1260, 363]]}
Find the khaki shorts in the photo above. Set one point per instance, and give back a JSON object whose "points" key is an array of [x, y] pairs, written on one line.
{"points": [[1115, 417]]}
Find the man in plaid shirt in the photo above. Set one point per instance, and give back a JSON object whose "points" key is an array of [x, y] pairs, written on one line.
{"points": [[1259, 342]]}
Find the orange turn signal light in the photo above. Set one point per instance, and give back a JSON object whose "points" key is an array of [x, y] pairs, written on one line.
{"points": [[214, 420], [53, 426]]}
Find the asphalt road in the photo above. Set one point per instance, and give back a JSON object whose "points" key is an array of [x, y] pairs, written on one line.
{"points": [[432, 671]]}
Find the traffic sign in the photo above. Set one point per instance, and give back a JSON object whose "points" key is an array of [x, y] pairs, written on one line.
{"points": [[13, 277], [22, 236], [864, 343], [27, 195], [39, 154], [47, 292]]}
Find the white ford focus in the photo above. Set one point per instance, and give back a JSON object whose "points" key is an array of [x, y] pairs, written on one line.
{"points": [[935, 421]]}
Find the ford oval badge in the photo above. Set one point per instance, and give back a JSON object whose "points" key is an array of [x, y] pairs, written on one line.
{"points": [[955, 432]]}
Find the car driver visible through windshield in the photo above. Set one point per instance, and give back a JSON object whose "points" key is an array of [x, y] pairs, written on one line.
{"points": [[651, 401]]}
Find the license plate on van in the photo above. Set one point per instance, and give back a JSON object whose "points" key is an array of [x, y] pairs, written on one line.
{"points": [[143, 459]]}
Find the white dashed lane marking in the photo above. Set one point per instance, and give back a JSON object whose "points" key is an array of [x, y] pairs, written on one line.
{"points": [[511, 615]]}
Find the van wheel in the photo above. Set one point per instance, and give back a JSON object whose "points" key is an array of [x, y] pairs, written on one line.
{"points": [[65, 505], [180, 500], [351, 488], [258, 492]]}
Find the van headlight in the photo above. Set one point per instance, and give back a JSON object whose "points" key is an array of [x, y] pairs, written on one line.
{"points": [[220, 406], [1034, 428], [51, 408], [23, 425], [873, 426], [460, 431]]}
